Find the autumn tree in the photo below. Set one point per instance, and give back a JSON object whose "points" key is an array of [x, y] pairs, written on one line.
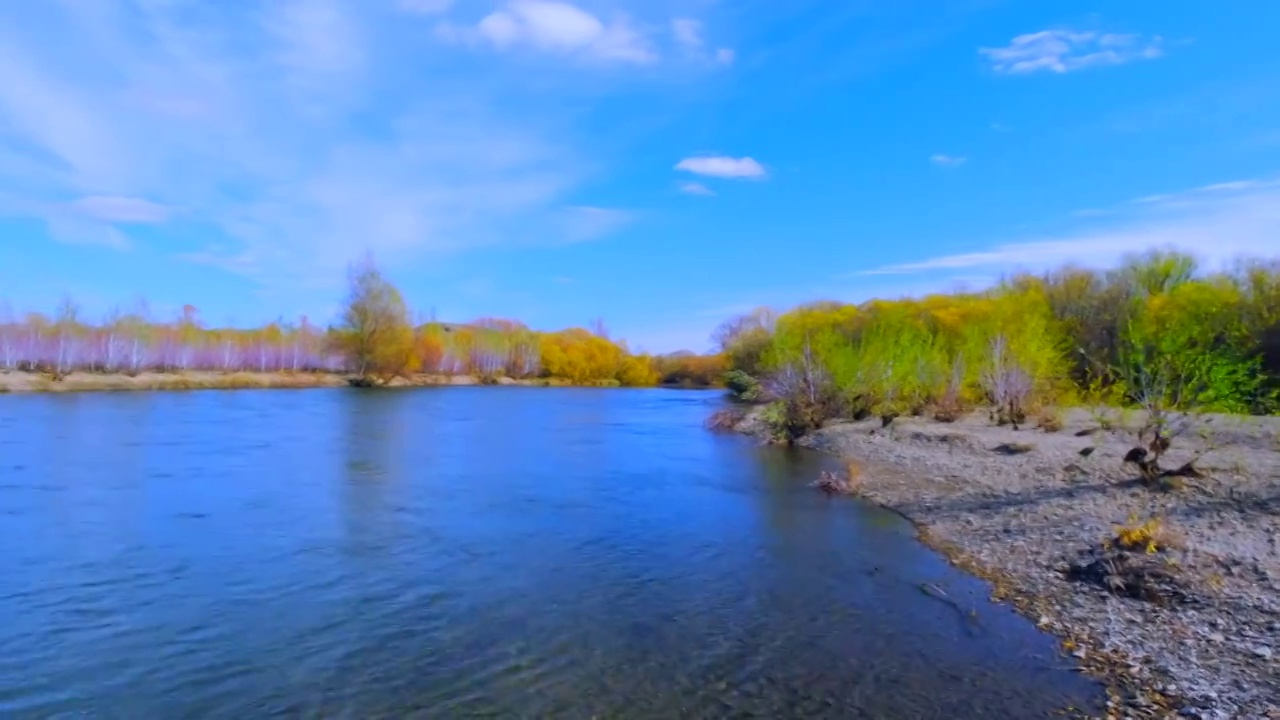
{"points": [[374, 331]]}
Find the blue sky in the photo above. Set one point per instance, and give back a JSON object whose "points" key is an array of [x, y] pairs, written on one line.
{"points": [[659, 163]]}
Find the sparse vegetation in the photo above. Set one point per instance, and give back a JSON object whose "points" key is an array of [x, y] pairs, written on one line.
{"points": [[1131, 563]]}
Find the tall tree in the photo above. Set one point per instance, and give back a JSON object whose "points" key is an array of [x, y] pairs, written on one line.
{"points": [[375, 333]]}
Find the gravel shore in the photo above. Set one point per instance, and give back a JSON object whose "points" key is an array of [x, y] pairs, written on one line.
{"points": [[1022, 507]]}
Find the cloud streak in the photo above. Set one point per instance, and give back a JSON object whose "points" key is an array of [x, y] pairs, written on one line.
{"points": [[948, 160], [1217, 223], [696, 188], [1064, 51], [121, 210]]}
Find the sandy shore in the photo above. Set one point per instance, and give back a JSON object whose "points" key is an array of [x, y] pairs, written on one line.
{"points": [[1022, 520], [203, 380]]}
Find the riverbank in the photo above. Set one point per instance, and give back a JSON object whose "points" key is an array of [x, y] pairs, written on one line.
{"points": [[1024, 509], [21, 382]]}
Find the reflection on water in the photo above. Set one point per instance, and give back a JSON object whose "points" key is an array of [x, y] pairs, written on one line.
{"points": [[500, 552]]}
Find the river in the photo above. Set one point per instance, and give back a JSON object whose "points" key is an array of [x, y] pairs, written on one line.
{"points": [[469, 552]]}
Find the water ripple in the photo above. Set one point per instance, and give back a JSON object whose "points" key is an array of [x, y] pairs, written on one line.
{"points": [[465, 552]]}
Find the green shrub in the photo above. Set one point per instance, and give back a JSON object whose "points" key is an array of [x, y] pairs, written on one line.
{"points": [[743, 387]]}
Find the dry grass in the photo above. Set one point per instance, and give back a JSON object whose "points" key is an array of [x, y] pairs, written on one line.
{"points": [[1151, 536], [1049, 421], [193, 380]]}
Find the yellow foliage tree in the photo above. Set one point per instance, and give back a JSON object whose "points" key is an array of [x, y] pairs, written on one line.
{"points": [[375, 332]]}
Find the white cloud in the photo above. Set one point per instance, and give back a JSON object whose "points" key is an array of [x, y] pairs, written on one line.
{"points": [[557, 27], [121, 209], [293, 135], [948, 160], [1062, 51], [696, 188], [723, 167], [687, 32], [725, 56], [1217, 223]]}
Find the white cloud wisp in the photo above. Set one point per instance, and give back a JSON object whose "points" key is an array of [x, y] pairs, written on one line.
{"points": [[1217, 224], [1064, 51], [743, 168]]}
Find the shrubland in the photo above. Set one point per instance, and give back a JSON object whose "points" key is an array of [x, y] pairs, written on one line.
{"points": [[1155, 333]]}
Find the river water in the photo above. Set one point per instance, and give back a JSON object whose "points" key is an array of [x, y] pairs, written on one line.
{"points": [[469, 552]]}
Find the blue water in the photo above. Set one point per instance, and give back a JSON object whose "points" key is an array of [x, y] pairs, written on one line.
{"points": [[468, 552]]}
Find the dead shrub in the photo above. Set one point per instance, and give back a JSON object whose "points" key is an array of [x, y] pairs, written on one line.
{"points": [[726, 420], [1133, 563], [843, 483]]}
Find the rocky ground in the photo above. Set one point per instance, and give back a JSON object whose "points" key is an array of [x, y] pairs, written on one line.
{"points": [[1187, 625]]}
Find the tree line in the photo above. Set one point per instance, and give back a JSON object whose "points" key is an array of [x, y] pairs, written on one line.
{"points": [[374, 338], [1156, 332]]}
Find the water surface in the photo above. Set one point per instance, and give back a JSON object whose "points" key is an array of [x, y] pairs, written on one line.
{"points": [[456, 552]]}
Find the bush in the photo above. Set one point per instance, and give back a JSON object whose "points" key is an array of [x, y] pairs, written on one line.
{"points": [[742, 387]]}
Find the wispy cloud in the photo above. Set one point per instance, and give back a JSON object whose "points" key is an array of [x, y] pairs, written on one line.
{"points": [[584, 223], [689, 35], [556, 27], [71, 230], [1063, 51], [948, 160], [723, 167], [696, 188], [688, 32], [121, 210], [1217, 223], [289, 134], [1224, 188]]}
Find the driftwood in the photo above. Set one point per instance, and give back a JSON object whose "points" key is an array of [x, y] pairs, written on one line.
{"points": [[1130, 573], [1147, 460]]}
